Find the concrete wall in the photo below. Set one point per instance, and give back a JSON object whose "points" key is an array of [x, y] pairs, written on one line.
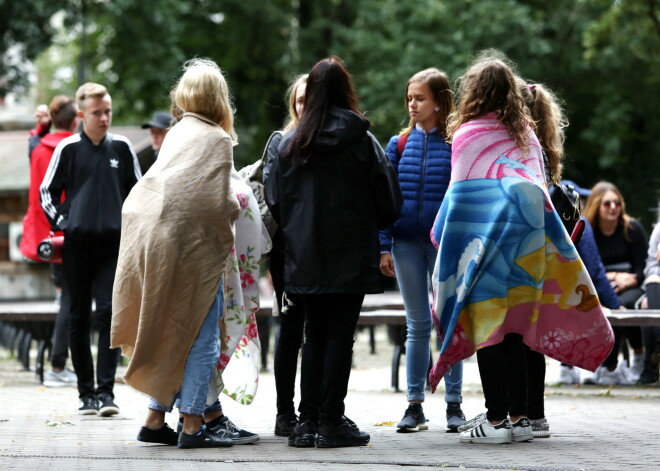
{"points": [[19, 280]]}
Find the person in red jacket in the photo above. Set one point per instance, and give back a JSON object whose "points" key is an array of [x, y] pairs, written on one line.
{"points": [[63, 116]]}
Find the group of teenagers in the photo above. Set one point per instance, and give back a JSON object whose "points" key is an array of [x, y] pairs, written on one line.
{"points": [[459, 197]]}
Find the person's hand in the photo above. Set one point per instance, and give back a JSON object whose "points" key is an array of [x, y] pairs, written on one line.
{"points": [[623, 281], [42, 115], [387, 264]]}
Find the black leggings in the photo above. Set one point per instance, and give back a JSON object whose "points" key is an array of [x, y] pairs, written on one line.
{"points": [[503, 371]]}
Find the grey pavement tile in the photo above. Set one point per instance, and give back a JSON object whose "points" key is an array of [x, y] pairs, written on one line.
{"points": [[593, 428]]}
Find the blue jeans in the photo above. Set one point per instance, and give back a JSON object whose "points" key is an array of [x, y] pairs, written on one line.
{"points": [[202, 358], [414, 261]]}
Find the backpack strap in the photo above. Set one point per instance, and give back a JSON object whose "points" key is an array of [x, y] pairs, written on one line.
{"points": [[401, 144]]}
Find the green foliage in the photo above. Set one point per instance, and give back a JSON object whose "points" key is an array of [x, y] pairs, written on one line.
{"points": [[599, 56], [25, 31]]}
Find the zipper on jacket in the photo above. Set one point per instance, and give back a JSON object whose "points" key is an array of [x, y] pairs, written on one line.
{"points": [[421, 188]]}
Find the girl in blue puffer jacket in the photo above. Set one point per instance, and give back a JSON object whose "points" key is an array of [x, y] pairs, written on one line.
{"points": [[422, 160]]}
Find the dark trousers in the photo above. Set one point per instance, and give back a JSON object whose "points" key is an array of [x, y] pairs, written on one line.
{"points": [[651, 334], [289, 339], [89, 270], [330, 322], [535, 384], [503, 371], [60, 340]]}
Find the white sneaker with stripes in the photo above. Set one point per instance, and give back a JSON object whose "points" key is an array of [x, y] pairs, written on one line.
{"points": [[521, 430], [473, 422], [488, 433]]}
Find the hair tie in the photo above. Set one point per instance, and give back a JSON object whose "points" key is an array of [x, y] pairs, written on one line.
{"points": [[531, 87]]}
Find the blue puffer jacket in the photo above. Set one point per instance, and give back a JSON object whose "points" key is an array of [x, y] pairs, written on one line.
{"points": [[424, 171]]}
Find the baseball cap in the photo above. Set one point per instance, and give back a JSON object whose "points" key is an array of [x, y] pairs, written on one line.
{"points": [[584, 192], [161, 119]]}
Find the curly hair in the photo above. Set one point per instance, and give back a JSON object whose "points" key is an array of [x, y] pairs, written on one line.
{"points": [[591, 209], [489, 85], [549, 123]]}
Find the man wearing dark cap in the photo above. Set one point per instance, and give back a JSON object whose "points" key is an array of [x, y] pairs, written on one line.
{"points": [[158, 127]]}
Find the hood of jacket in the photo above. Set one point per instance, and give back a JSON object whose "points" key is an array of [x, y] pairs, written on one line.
{"points": [[54, 138], [340, 129]]}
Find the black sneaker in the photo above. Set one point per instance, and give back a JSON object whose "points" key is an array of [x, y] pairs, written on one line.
{"points": [[203, 439], [89, 406], [285, 423], [455, 417], [227, 429], [107, 406], [164, 435], [344, 434], [304, 435], [413, 420]]}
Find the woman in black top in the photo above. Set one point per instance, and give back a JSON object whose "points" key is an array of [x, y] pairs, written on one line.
{"points": [[330, 190], [622, 245]]}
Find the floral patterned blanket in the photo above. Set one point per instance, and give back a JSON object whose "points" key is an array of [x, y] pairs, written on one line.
{"points": [[505, 262], [237, 374]]}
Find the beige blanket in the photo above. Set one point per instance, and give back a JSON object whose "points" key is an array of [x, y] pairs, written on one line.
{"points": [[176, 237]]}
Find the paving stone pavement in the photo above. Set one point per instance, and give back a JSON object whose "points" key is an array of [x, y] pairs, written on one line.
{"points": [[593, 428]]}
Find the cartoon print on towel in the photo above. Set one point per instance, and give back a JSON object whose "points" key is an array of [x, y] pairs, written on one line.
{"points": [[506, 264], [237, 374]]}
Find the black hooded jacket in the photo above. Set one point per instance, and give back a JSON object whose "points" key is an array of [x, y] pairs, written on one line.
{"points": [[331, 208]]}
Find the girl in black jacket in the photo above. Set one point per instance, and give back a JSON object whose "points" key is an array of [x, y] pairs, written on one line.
{"points": [[331, 189]]}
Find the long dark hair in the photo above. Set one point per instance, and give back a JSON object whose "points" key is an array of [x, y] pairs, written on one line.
{"points": [[328, 84]]}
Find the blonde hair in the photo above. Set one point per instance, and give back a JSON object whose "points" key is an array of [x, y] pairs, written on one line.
{"points": [[202, 89], [549, 123], [90, 90], [291, 95], [592, 208], [438, 83], [489, 85]]}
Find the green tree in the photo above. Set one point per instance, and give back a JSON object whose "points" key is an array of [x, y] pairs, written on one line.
{"points": [[25, 31]]}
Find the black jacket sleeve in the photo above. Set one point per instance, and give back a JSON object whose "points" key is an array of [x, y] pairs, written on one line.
{"points": [[385, 187], [50, 193], [270, 154], [271, 187]]}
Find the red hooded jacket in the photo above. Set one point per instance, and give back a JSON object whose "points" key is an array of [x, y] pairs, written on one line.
{"points": [[35, 225]]}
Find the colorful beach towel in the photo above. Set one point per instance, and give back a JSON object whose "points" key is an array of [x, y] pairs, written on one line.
{"points": [[505, 262]]}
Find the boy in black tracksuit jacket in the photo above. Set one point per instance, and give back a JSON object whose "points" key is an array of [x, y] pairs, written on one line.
{"points": [[96, 170]]}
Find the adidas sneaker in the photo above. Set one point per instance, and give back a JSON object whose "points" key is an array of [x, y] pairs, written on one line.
{"points": [[488, 433]]}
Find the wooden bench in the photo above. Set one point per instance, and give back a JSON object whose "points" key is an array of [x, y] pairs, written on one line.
{"points": [[21, 322]]}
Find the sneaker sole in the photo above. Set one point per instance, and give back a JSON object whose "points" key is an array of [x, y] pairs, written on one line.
{"points": [[523, 438], [541, 433], [226, 444], [489, 440], [412, 429], [57, 384], [87, 412], [452, 429], [245, 440], [340, 443], [108, 411]]}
